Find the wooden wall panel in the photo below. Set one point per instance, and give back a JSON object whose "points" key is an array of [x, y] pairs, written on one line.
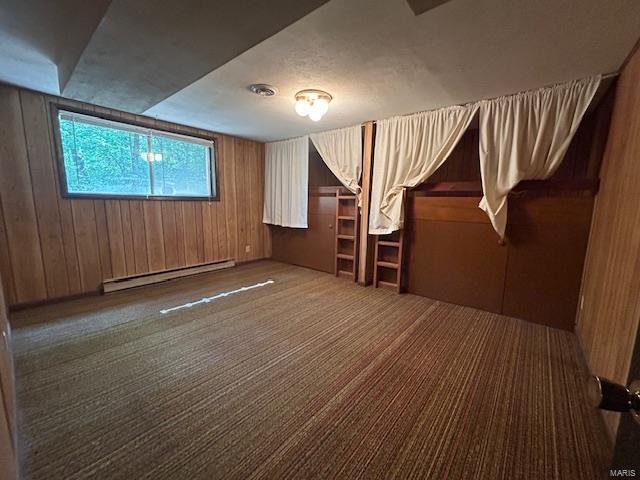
{"points": [[38, 143], [19, 211], [84, 226], [127, 235], [546, 250], [311, 247], [5, 260], [115, 238], [139, 234], [154, 235], [8, 416], [102, 231], [453, 255], [319, 174], [241, 192], [170, 235], [608, 321], [51, 247]]}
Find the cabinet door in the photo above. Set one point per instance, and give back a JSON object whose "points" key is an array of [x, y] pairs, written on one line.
{"points": [[8, 430]]}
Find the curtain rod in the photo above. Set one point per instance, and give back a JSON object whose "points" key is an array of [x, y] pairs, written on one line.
{"points": [[604, 76]]}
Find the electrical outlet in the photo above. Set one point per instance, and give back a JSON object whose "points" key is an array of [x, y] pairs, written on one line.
{"points": [[247, 248]]}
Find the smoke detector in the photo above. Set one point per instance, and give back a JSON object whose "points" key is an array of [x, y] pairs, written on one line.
{"points": [[263, 89]]}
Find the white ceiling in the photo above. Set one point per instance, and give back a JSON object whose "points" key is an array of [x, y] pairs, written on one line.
{"points": [[374, 56], [146, 50], [378, 60]]}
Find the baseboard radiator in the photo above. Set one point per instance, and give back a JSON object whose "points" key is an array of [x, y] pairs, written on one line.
{"points": [[132, 281]]}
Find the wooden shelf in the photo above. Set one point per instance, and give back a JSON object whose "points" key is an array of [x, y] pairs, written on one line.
{"points": [[346, 217], [346, 237], [384, 264], [344, 256], [386, 243], [343, 197], [344, 273], [382, 283]]}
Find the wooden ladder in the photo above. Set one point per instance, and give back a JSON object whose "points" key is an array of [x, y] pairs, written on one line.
{"points": [[388, 257], [388, 261], [346, 247]]}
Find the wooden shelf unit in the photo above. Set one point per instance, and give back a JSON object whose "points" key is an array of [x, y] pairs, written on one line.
{"points": [[346, 246]]}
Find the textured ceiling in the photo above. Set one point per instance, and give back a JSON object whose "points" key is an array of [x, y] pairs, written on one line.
{"points": [[191, 61], [42, 40], [378, 59], [146, 50]]}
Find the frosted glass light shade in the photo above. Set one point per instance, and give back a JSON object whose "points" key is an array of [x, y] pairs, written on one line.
{"points": [[315, 115], [302, 107], [321, 105], [312, 103]]}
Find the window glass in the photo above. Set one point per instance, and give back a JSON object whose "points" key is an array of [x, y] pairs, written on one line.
{"points": [[106, 158], [180, 168]]}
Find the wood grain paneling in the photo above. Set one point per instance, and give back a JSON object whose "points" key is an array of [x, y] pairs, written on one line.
{"points": [[311, 247], [608, 320], [52, 247], [319, 174], [453, 255], [19, 210], [546, 251], [366, 247], [8, 416]]}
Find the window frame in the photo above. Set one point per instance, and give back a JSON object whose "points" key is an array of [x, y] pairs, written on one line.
{"points": [[64, 190]]}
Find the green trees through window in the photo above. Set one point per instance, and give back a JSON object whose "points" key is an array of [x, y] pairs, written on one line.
{"points": [[107, 158]]}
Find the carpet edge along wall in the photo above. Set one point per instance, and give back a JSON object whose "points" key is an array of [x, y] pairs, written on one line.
{"points": [[53, 247]]}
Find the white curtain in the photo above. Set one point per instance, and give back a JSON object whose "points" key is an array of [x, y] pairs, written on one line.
{"points": [[525, 136], [286, 182], [341, 150], [408, 150]]}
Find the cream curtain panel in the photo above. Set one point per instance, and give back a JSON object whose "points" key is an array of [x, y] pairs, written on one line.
{"points": [[525, 136], [408, 150], [341, 150], [286, 183]]}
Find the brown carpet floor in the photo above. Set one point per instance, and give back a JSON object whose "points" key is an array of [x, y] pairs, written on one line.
{"points": [[310, 377]]}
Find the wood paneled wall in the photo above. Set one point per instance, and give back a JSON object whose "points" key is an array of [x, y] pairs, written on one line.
{"points": [[453, 255], [8, 416], [53, 247], [608, 321], [319, 174]]}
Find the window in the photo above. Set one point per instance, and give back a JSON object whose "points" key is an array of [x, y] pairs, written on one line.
{"points": [[107, 158]]}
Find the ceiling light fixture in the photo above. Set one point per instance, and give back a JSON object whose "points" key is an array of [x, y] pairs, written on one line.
{"points": [[314, 103]]}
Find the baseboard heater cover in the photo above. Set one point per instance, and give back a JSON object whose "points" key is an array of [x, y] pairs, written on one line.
{"points": [[132, 281]]}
